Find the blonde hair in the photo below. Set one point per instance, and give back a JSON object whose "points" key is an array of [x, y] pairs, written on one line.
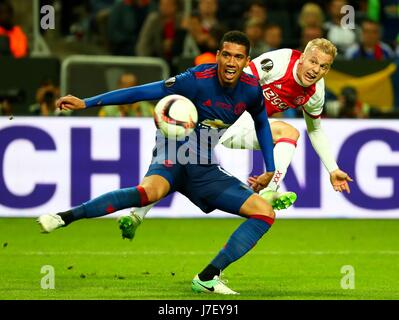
{"points": [[323, 45], [310, 8]]}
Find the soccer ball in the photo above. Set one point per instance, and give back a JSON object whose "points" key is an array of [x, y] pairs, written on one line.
{"points": [[175, 116]]}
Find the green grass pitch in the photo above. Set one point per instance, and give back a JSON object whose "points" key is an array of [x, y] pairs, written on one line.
{"points": [[296, 259]]}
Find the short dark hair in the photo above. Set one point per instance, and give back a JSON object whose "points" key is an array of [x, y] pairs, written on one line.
{"points": [[236, 37]]}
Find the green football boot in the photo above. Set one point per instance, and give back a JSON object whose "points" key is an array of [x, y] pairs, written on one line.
{"points": [[279, 200], [128, 225]]}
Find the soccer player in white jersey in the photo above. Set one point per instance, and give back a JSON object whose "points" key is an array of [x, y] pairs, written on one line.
{"points": [[289, 79]]}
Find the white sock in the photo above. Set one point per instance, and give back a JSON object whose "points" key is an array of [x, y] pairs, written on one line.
{"points": [[284, 151], [141, 212]]}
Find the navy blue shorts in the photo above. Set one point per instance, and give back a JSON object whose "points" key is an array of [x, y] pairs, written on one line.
{"points": [[208, 186]]}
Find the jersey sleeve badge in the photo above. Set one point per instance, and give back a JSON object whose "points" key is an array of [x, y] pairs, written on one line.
{"points": [[266, 65]]}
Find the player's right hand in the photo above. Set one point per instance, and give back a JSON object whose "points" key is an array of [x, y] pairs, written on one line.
{"points": [[70, 102]]}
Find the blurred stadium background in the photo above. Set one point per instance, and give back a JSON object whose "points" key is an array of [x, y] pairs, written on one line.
{"points": [[50, 161]]}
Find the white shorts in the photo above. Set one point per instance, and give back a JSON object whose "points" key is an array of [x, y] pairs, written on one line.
{"points": [[242, 134]]}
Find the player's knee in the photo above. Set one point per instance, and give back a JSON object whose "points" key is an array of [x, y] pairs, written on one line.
{"points": [[155, 187], [264, 208], [259, 207], [267, 211], [294, 133], [282, 129], [153, 194], [290, 132]]}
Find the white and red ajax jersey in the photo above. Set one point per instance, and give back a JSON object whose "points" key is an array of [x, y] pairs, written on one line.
{"points": [[276, 73]]}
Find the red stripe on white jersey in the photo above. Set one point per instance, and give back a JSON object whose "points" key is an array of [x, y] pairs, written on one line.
{"points": [[254, 70]]}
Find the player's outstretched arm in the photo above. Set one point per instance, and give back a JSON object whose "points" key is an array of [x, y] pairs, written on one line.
{"points": [[338, 178], [145, 92], [150, 91], [264, 135]]}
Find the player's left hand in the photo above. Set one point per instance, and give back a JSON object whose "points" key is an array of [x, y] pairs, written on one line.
{"points": [[260, 182], [252, 180], [339, 180]]}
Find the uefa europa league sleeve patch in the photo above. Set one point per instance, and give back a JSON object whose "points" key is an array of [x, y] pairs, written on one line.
{"points": [[266, 65]]}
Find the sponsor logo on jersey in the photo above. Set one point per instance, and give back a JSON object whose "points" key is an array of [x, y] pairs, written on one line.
{"points": [[274, 99], [170, 82], [240, 108], [266, 65], [278, 86], [214, 124]]}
